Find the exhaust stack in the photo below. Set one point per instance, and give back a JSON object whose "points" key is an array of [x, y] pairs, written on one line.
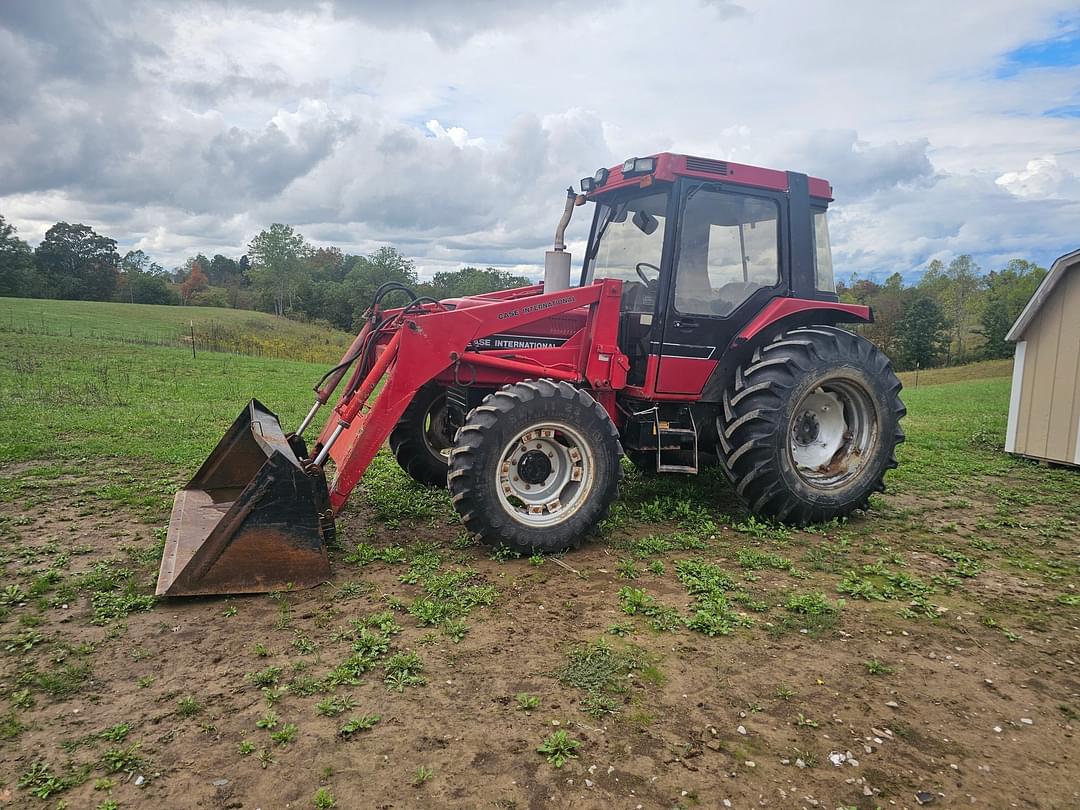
{"points": [[557, 261]]}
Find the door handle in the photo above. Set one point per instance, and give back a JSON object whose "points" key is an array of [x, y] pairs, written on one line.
{"points": [[684, 323]]}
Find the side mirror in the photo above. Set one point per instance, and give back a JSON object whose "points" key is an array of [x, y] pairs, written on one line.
{"points": [[646, 223]]}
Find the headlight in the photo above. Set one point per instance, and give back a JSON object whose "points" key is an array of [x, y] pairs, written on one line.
{"points": [[639, 166]]}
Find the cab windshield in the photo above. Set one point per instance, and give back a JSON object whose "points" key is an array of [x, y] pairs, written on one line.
{"points": [[628, 240]]}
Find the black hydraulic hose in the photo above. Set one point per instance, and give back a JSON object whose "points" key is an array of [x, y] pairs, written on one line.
{"points": [[416, 302], [389, 287], [348, 361], [364, 352]]}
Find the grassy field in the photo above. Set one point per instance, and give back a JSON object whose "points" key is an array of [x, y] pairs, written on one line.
{"points": [[689, 654], [951, 374], [224, 330]]}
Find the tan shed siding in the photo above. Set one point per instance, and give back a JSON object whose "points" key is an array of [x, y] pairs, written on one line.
{"points": [[1047, 418], [1045, 334], [1069, 394], [1061, 427], [1027, 391]]}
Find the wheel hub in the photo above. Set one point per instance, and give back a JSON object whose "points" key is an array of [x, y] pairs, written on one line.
{"points": [[545, 474], [534, 467], [832, 432], [807, 428], [436, 429]]}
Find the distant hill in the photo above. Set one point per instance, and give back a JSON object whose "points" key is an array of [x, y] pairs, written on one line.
{"points": [[235, 331]]}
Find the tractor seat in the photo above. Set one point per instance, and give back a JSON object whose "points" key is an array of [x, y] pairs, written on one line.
{"points": [[728, 297], [637, 297]]}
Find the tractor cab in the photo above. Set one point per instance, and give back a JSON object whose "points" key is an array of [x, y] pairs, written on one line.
{"points": [[701, 246]]}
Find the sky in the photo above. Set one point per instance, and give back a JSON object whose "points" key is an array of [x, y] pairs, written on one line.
{"points": [[451, 130]]}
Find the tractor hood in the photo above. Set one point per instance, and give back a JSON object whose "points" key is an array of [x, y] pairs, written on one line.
{"points": [[546, 333]]}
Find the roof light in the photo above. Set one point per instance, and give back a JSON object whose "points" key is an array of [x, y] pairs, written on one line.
{"points": [[601, 176], [639, 166], [588, 185]]}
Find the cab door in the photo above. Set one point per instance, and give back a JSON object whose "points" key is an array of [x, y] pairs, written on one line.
{"points": [[726, 266]]}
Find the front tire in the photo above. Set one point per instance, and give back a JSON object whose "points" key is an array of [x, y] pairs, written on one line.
{"points": [[810, 426], [420, 440], [535, 467]]}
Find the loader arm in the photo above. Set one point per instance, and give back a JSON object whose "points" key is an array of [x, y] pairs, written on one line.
{"points": [[421, 345]]}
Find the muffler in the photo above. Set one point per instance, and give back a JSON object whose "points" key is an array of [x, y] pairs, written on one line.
{"points": [[255, 518]]}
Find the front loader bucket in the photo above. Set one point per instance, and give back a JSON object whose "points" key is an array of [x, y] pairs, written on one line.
{"points": [[253, 519]]}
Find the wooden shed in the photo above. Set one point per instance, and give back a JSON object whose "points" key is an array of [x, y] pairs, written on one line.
{"points": [[1044, 407]]}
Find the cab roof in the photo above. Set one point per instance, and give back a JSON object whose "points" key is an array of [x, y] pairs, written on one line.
{"points": [[670, 166]]}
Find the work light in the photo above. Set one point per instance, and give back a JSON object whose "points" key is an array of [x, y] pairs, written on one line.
{"points": [[639, 166], [587, 185]]}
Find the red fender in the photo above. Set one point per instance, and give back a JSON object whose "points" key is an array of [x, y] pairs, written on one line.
{"points": [[781, 308]]}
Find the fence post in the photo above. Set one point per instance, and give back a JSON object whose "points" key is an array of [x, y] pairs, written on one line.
{"points": [[192, 324]]}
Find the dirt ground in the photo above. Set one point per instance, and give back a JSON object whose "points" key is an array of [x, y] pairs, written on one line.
{"points": [[965, 695]]}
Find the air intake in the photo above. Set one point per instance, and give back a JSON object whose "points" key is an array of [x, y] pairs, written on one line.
{"points": [[696, 164]]}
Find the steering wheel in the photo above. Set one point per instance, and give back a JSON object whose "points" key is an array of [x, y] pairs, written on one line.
{"points": [[638, 269]]}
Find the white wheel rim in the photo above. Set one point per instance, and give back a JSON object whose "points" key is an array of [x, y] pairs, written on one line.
{"points": [[832, 434], [544, 474]]}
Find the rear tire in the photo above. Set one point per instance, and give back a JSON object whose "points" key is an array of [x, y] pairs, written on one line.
{"points": [[419, 441], [535, 467], [810, 426]]}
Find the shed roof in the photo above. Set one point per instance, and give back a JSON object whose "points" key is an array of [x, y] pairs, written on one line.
{"points": [[1042, 294]]}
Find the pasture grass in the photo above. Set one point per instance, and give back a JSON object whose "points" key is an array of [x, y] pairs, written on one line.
{"points": [[236, 331], [951, 374]]}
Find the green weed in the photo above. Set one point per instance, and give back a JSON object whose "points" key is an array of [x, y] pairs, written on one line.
{"points": [[526, 702], [123, 759], [332, 707], [117, 733], [188, 706], [403, 669], [357, 724], [875, 667], [264, 677], [559, 748], [268, 720], [753, 560], [285, 735]]}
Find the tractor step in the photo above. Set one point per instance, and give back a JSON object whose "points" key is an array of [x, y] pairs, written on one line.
{"points": [[676, 442], [676, 436], [665, 434]]}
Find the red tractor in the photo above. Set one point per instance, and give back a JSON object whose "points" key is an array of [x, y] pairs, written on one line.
{"points": [[703, 327]]}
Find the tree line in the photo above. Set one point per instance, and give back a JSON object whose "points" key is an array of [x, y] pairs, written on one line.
{"points": [[954, 314], [280, 273]]}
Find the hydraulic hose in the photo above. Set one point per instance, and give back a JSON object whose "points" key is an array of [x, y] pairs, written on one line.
{"points": [[372, 315]]}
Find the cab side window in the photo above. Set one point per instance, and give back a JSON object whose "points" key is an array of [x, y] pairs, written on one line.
{"points": [[728, 249]]}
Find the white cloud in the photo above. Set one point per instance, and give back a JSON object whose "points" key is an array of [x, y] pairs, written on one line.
{"points": [[456, 135], [1042, 178]]}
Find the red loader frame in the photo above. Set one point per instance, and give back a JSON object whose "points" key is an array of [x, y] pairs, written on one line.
{"points": [[436, 340]]}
